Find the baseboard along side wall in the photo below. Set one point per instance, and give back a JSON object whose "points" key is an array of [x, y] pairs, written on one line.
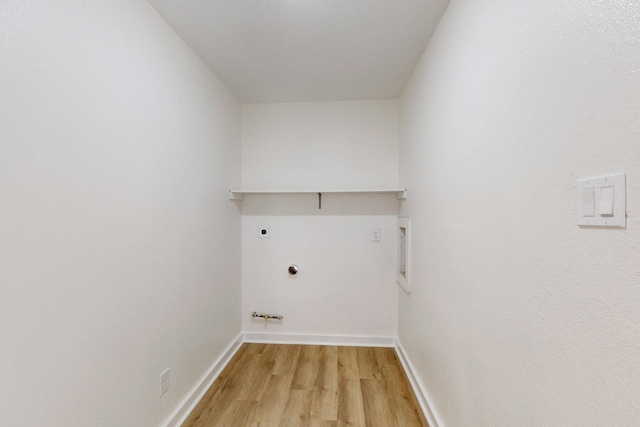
{"points": [[192, 399], [425, 401]]}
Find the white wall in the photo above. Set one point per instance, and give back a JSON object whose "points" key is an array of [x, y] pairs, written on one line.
{"points": [[346, 144], [119, 250], [346, 284], [518, 317]]}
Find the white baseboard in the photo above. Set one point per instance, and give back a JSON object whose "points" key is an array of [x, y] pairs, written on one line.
{"points": [[192, 399], [345, 340], [419, 389]]}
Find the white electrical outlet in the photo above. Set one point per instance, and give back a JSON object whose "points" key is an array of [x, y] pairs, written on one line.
{"points": [[164, 382], [375, 236], [264, 232]]}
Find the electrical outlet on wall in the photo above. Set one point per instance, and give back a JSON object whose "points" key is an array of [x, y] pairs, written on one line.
{"points": [[164, 382], [264, 232]]}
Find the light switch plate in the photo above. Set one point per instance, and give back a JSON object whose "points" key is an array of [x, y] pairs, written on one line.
{"points": [[587, 202], [597, 215]]}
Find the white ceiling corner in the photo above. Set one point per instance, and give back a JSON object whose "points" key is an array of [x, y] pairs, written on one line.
{"points": [[307, 50]]}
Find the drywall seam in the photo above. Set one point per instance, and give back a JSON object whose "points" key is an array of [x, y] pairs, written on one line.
{"points": [[192, 399], [342, 340], [424, 399]]}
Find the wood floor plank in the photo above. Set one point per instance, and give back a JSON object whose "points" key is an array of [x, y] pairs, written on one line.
{"points": [[211, 415], [201, 412], [274, 399], [322, 423], [256, 348], [268, 358], [298, 408], [220, 393], [324, 398], [286, 359], [267, 385], [238, 413], [248, 384], [368, 366], [402, 401], [348, 364], [377, 410], [350, 406], [307, 369], [385, 356]]}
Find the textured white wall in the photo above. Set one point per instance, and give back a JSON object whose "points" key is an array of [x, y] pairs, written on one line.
{"points": [[346, 284], [119, 250], [347, 144], [518, 317]]}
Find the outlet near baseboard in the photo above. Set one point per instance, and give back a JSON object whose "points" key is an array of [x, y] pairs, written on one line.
{"points": [[164, 382]]}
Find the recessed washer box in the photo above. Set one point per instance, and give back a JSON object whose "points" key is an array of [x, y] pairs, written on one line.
{"points": [[403, 259], [602, 201]]}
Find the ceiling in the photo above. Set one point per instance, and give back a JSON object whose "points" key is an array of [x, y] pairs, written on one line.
{"points": [[307, 50]]}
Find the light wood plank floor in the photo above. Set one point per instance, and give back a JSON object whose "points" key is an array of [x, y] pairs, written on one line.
{"points": [[269, 385]]}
